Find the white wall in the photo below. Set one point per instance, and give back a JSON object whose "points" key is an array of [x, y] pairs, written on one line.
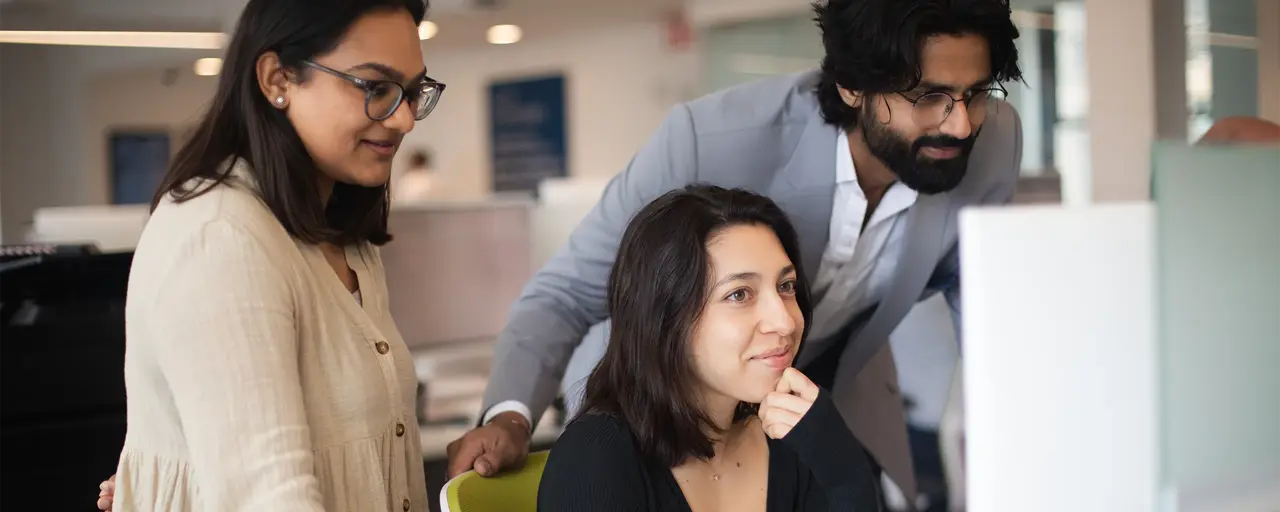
{"points": [[620, 83], [53, 121], [38, 155], [138, 100], [47, 139], [1122, 124]]}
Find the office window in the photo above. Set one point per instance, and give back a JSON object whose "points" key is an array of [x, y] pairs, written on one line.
{"points": [[1222, 62]]}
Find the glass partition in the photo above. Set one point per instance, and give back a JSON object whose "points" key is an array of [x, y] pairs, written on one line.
{"points": [[1218, 280], [736, 53]]}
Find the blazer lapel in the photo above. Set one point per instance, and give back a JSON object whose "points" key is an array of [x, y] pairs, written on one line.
{"points": [[866, 382], [926, 224], [805, 188]]}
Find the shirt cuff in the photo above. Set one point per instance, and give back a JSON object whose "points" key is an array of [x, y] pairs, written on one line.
{"points": [[508, 406]]}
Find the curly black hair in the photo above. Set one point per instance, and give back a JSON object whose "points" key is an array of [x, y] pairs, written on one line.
{"points": [[873, 46]]}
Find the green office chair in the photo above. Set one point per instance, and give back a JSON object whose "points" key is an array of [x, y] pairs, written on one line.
{"points": [[512, 491]]}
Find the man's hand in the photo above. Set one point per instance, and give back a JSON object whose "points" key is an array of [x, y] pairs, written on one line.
{"points": [[501, 444], [106, 492], [782, 409]]}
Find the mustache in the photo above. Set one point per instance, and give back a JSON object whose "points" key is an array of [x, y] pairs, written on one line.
{"points": [[942, 141]]}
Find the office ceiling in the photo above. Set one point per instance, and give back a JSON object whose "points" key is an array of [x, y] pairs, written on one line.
{"points": [[462, 22]]}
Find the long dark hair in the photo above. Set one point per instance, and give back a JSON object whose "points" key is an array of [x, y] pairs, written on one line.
{"points": [[873, 46], [657, 290], [240, 123]]}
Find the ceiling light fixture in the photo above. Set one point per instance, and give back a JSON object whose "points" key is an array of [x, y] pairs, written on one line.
{"points": [[186, 40], [427, 30], [208, 66], [504, 34]]}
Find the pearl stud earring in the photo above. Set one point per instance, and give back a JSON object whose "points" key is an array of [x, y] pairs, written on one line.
{"points": [[279, 100]]}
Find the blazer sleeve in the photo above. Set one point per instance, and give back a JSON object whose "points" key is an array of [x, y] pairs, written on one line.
{"points": [[835, 460], [567, 296], [593, 466], [227, 347]]}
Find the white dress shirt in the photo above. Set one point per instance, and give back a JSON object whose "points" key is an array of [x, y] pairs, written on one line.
{"points": [[859, 260], [857, 264]]}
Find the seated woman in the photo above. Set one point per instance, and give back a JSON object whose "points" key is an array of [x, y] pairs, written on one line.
{"points": [[695, 406]]}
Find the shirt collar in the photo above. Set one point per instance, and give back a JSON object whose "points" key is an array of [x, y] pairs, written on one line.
{"points": [[899, 197], [844, 161]]}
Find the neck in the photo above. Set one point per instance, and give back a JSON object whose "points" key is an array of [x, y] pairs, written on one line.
{"points": [[720, 410], [325, 186], [874, 177]]}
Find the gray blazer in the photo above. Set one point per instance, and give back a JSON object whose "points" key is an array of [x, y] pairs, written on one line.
{"points": [[767, 136]]}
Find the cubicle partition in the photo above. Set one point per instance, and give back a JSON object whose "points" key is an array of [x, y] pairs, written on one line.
{"points": [[453, 269], [1218, 276]]}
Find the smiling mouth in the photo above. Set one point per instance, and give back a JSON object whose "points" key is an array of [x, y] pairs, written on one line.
{"points": [[941, 153], [777, 359], [384, 148]]}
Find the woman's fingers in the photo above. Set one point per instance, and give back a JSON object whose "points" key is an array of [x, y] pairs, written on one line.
{"points": [[778, 422], [796, 383], [786, 401]]}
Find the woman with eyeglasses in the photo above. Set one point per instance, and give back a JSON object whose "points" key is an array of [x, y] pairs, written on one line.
{"points": [[263, 368]]}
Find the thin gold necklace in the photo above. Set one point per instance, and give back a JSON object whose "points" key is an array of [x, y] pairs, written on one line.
{"points": [[715, 476]]}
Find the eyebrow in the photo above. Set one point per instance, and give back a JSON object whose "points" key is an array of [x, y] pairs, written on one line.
{"points": [[935, 86], [751, 276], [387, 71]]}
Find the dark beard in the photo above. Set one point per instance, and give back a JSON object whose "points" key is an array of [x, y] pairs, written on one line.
{"points": [[924, 175]]}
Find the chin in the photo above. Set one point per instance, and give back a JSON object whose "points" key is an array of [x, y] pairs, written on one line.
{"points": [[372, 177], [754, 392]]}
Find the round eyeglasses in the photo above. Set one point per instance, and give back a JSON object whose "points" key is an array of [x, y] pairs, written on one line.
{"points": [[932, 109], [383, 97]]}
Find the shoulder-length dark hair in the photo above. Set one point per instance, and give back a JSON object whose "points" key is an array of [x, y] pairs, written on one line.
{"points": [[657, 291], [240, 123]]}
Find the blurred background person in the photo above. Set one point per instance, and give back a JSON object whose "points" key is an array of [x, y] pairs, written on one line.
{"points": [[414, 184]]}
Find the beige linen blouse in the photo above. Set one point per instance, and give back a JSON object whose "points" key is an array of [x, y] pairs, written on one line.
{"points": [[255, 381]]}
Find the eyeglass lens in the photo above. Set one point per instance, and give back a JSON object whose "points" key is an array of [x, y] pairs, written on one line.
{"points": [[385, 98], [933, 109]]}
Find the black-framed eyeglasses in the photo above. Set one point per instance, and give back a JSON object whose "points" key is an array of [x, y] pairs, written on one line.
{"points": [[932, 109], [383, 97]]}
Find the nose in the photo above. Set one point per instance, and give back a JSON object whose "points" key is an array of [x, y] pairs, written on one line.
{"points": [[402, 119], [957, 124], [775, 315]]}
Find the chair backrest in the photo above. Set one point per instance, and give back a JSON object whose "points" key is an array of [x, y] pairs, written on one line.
{"points": [[512, 491]]}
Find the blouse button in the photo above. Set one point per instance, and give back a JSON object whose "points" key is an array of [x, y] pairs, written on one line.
{"points": [[406, 505], [383, 348], [399, 429]]}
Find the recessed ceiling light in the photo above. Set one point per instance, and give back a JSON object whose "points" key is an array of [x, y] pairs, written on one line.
{"points": [[209, 66], [195, 40], [427, 30], [504, 34]]}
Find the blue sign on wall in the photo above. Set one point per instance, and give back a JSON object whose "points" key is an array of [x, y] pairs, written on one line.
{"points": [[138, 162], [527, 119]]}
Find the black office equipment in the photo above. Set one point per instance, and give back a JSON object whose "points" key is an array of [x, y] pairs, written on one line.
{"points": [[62, 400]]}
